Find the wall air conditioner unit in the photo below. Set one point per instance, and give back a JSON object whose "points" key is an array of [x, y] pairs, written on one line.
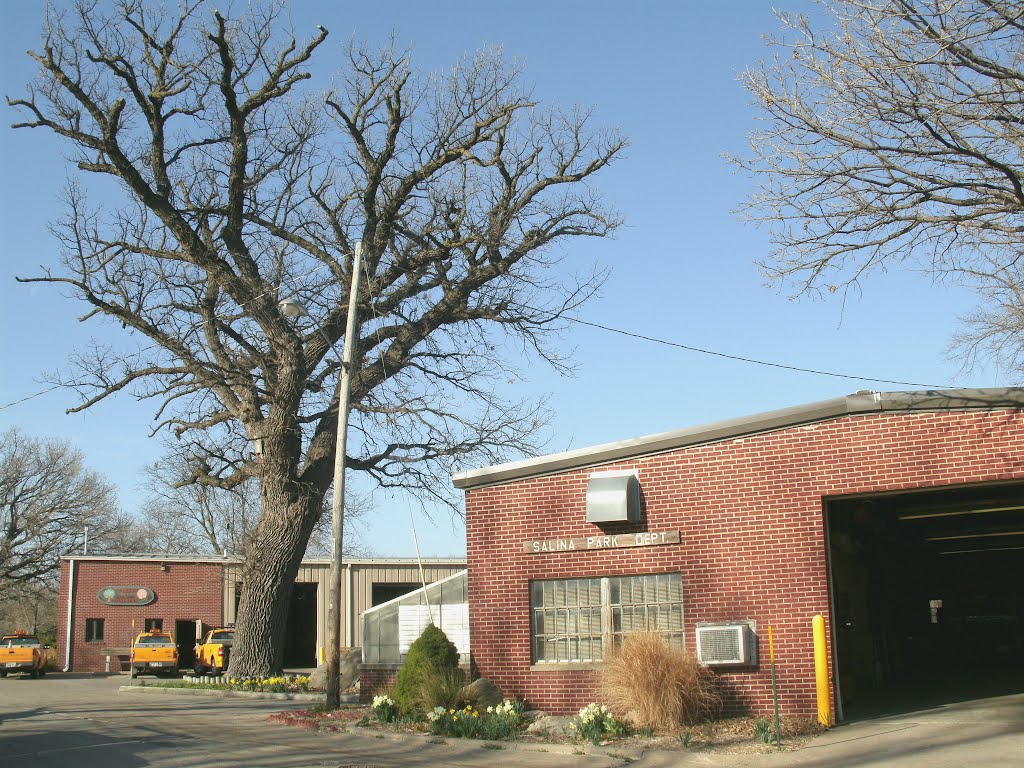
{"points": [[726, 644]]}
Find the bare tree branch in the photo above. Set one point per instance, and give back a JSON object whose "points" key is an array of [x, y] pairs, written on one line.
{"points": [[895, 138], [242, 186]]}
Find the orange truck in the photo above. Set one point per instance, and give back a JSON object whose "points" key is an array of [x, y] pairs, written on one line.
{"points": [[22, 652], [214, 651], [154, 652]]}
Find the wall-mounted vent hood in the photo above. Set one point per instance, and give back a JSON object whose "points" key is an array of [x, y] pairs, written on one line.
{"points": [[613, 497]]}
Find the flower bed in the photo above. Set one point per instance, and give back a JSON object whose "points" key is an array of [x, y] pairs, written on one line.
{"points": [[508, 721], [277, 684]]}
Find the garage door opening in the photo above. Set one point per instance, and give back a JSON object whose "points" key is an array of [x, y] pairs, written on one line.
{"points": [[928, 597], [300, 631]]}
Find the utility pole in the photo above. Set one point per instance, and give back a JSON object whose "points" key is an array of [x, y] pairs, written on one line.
{"points": [[337, 522]]}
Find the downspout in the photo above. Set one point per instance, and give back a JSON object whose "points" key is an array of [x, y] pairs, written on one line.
{"points": [[71, 602]]}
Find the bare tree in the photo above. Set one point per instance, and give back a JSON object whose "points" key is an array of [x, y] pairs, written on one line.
{"points": [[240, 189], [180, 516], [47, 497], [897, 137]]}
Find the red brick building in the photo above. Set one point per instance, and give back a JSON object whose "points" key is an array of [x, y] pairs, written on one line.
{"points": [[898, 516], [175, 594], [101, 595]]}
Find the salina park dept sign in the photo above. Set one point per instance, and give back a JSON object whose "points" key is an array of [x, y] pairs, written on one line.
{"points": [[613, 541]]}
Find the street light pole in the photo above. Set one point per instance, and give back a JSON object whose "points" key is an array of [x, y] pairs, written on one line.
{"points": [[337, 508]]}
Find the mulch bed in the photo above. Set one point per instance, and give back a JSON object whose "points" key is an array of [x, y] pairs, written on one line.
{"points": [[733, 735]]}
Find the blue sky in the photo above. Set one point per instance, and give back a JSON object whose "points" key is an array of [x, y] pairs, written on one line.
{"points": [[682, 268]]}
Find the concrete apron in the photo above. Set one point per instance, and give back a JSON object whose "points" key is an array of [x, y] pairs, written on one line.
{"points": [[983, 732]]}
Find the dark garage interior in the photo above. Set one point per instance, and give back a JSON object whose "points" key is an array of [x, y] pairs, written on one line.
{"points": [[300, 632], [928, 597]]}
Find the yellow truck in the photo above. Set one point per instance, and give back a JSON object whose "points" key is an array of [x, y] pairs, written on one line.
{"points": [[213, 652], [22, 652], [154, 652]]}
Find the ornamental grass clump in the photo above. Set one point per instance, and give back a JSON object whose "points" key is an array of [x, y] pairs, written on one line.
{"points": [[441, 687], [655, 685]]}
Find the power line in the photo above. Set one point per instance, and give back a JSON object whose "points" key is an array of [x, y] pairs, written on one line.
{"points": [[30, 397], [630, 334], [742, 359]]}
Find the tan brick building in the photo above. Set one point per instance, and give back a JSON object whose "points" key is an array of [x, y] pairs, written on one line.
{"points": [[898, 516]]}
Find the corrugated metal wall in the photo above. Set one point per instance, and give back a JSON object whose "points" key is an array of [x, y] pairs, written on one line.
{"points": [[358, 578]]}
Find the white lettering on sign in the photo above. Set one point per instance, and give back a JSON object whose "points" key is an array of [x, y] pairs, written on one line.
{"points": [[553, 545], [613, 541]]}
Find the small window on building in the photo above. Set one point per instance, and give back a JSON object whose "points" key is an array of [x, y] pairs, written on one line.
{"points": [[93, 630], [384, 592], [154, 625], [579, 620]]}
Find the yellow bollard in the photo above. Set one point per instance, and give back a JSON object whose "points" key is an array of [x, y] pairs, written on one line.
{"points": [[821, 672]]}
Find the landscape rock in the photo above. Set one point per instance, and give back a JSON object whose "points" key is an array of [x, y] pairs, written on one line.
{"points": [[348, 666], [552, 724], [483, 693]]}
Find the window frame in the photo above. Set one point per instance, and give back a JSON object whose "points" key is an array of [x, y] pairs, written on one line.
{"points": [[152, 625], [90, 626], [668, 615]]}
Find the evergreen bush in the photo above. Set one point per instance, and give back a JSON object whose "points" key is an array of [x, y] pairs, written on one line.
{"points": [[431, 655]]}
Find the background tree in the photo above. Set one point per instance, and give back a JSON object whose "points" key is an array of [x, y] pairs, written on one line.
{"points": [[180, 516], [897, 137], [239, 188], [47, 497]]}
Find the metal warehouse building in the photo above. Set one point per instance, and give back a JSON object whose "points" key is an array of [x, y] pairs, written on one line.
{"points": [[897, 516], [102, 595]]}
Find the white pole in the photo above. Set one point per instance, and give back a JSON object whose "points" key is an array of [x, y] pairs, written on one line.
{"points": [[423, 579], [337, 508]]}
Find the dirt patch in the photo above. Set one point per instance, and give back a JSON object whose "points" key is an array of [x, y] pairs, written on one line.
{"points": [[732, 736]]}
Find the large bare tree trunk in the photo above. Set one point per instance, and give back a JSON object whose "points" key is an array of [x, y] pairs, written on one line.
{"points": [[269, 575]]}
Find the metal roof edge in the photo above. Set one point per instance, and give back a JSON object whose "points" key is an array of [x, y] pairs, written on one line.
{"points": [[769, 421], [179, 558]]}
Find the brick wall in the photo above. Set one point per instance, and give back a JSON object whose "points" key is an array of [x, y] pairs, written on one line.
{"points": [[749, 513], [186, 591], [376, 678]]}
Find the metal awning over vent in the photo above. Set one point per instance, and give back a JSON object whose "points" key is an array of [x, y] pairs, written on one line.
{"points": [[613, 497]]}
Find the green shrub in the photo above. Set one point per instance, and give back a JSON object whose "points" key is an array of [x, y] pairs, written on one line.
{"points": [[429, 656], [659, 686], [763, 728]]}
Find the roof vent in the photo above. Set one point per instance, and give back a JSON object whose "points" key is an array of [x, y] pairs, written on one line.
{"points": [[613, 497]]}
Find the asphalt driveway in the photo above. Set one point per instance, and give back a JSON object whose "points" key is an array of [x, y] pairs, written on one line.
{"points": [[70, 720]]}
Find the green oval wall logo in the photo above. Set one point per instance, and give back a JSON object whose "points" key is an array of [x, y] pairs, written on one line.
{"points": [[126, 595]]}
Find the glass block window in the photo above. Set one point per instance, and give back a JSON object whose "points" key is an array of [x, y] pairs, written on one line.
{"points": [[579, 620]]}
